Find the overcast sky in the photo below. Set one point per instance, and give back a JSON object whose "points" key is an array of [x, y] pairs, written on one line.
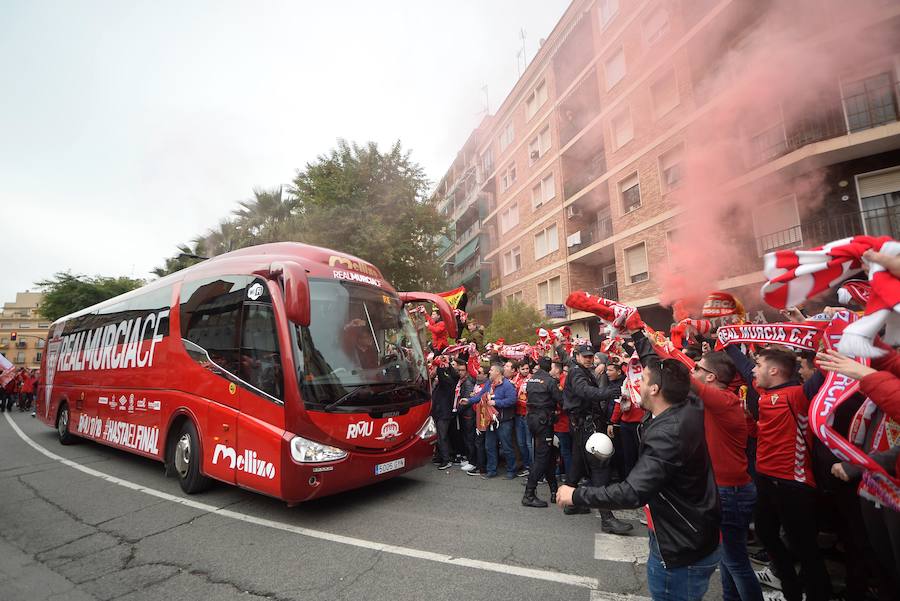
{"points": [[129, 127]]}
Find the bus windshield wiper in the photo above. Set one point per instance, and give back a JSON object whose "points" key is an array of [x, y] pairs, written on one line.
{"points": [[353, 392]]}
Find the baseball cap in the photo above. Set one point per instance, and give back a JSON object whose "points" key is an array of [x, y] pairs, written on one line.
{"points": [[584, 349]]}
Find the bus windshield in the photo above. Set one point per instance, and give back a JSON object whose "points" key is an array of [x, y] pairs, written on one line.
{"points": [[358, 337]]}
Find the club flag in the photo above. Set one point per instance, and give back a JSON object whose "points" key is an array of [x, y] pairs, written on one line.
{"points": [[456, 298]]}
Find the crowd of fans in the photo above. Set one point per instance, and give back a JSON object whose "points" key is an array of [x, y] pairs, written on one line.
{"points": [[782, 499], [18, 390]]}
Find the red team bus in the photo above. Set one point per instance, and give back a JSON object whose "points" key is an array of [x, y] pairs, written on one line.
{"points": [[286, 369]]}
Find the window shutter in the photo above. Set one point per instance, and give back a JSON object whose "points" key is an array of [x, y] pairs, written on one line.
{"points": [[880, 183]]}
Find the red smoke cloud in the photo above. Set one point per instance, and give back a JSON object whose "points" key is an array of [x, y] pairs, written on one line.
{"points": [[775, 62]]}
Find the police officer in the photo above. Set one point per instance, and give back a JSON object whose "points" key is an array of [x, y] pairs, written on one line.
{"points": [[583, 401], [543, 395]]}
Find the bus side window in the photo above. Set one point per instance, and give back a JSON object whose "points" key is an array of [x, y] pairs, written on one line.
{"points": [[260, 357], [211, 318]]}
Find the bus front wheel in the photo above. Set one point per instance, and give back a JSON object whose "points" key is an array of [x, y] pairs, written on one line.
{"points": [[62, 425], [185, 458]]}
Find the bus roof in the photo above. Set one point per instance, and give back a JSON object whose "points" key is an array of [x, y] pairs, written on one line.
{"points": [[318, 262]]}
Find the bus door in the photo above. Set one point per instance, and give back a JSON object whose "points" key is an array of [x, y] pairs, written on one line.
{"points": [[210, 315], [261, 417]]}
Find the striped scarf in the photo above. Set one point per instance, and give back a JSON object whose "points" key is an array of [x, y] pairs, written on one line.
{"points": [[795, 276]]}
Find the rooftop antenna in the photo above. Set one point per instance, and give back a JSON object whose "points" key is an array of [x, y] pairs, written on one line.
{"points": [[521, 54], [487, 102]]}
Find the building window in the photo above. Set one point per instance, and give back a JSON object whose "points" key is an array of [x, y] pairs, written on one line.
{"points": [[665, 94], [870, 102], [536, 99], [549, 293], [512, 261], [509, 177], [636, 263], [487, 162], [608, 10], [509, 218], [544, 191], [507, 136], [673, 242], [20, 357], [622, 129], [38, 356], [45, 324], [516, 297], [630, 191], [670, 168], [615, 68], [539, 145], [24, 326], [8, 325], [40, 343], [656, 25], [776, 225], [879, 195], [546, 241]]}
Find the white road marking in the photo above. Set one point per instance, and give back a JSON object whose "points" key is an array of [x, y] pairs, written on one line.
{"points": [[601, 596], [463, 562], [628, 549]]}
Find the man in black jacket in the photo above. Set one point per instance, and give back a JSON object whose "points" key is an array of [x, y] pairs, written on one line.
{"points": [[465, 415], [442, 393], [543, 395], [582, 401], [673, 476]]}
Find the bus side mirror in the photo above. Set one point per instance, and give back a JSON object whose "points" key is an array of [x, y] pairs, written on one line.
{"points": [[440, 302], [296, 291]]}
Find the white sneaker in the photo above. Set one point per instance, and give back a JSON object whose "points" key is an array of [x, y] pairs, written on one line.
{"points": [[773, 596], [767, 578], [467, 467]]}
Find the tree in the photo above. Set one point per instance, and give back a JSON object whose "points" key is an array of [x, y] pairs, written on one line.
{"points": [[66, 293], [186, 257], [374, 205], [515, 322]]}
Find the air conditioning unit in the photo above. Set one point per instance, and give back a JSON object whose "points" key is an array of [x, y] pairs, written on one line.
{"points": [[535, 155], [572, 212], [573, 239]]}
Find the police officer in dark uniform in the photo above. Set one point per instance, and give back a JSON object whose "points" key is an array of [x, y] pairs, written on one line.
{"points": [[543, 395], [584, 402]]}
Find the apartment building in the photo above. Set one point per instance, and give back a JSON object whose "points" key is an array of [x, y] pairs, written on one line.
{"points": [[572, 184], [21, 317]]}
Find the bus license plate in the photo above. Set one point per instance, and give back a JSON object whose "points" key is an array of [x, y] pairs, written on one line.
{"points": [[390, 466]]}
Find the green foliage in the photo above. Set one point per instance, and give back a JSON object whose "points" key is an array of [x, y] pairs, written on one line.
{"points": [[356, 200], [515, 322], [65, 293]]}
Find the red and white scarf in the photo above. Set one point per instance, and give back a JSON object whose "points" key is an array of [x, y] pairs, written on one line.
{"points": [[618, 316], [795, 276], [877, 484], [797, 335]]}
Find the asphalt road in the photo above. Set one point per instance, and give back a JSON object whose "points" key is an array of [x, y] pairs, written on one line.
{"points": [[88, 522]]}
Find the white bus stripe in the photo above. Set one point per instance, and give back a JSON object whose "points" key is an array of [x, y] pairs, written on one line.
{"points": [[547, 575]]}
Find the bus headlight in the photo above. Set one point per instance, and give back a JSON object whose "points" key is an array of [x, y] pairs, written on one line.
{"points": [[428, 429], [308, 451]]}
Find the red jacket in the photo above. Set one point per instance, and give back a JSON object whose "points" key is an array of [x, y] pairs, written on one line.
{"points": [[726, 429], [438, 333], [634, 415], [883, 387]]}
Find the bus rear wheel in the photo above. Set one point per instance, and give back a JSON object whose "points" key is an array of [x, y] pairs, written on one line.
{"points": [[62, 426], [185, 458]]}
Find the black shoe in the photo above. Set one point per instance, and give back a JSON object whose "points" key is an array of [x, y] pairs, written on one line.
{"points": [[445, 466], [553, 497], [533, 501], [523, 473], [576, 510], [614, 525], [475, 472]]}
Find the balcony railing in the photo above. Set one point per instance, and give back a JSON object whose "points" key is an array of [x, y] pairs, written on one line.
{"points": [[595, 232], [582, 177], [874, 222], [607, 291]]}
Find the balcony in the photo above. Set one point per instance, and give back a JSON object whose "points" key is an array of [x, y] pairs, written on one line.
{"points": [[579, 108], [607, 291], [865, 104], [596, 231], [874, 222], [574, 52]]}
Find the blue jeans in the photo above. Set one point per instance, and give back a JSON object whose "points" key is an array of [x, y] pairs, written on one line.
{"points": [[565, 449], [525, 441], [504, 434], [739, 582], [688, 583]]}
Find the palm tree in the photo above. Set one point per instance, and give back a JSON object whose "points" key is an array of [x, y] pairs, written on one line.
{"points": [[264, 218]]}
